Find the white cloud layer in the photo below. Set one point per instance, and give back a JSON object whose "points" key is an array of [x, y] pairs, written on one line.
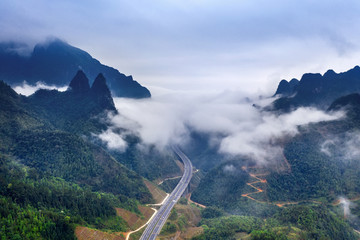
{"points": [[27, 89], [228, 116], [240, 128], [345, 203], [343, 147], [259, 141], [113, 140]]}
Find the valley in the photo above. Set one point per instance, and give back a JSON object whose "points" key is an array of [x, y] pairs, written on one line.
{"points": [[79, 164], [155, 225]]}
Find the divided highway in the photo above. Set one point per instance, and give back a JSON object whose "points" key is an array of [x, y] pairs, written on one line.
{"points": [[158, 221]]}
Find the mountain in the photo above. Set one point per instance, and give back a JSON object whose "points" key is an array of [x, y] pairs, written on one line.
{"points": [[80, 83], [286, 88], [78, 109], [318, 166], [55, 62], [320, 162], [350, 102], [53, 177], [46, 131], [316, 90], [323, 159]]}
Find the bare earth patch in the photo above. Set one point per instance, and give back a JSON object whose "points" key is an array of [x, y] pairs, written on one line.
{"points": [[84, 233], [192, 215], [134, 221], [156, 192], [192, 232]]}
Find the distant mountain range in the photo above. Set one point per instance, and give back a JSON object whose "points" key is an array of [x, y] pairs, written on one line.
{"points": [[316, 89], [56, 62]]}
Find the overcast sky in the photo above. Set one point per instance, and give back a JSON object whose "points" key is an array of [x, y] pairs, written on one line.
{"points": [[247, 45]]}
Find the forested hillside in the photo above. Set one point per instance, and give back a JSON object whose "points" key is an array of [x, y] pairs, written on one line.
{"points": [[52, 176], [323, 158], [299, 222], [318, 166], [321, 164]]}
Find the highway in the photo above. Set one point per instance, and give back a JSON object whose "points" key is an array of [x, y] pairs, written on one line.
{"points": [[158, 221]]}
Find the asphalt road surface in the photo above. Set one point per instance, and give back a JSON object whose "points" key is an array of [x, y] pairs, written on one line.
{"points": [[156, 224]]}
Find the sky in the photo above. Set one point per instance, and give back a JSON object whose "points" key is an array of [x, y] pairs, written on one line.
{"points": [[245, 45]]}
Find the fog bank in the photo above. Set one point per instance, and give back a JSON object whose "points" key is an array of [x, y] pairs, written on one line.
{"points": [[228, 116]]}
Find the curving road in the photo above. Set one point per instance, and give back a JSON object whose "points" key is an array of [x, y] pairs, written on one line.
{"points": [[158, 221]]}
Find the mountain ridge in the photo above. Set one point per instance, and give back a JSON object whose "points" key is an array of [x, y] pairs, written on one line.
{"points": [[316, 90], [78, 107], [56, 61]]}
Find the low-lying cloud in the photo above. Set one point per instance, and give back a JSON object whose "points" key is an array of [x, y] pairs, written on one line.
{"points": [[113, 140], [230, 118], [344, 147], [259, 141], [345, 203], [229, 169], [28, 89]]}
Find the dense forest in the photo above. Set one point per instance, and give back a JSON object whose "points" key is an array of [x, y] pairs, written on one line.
{"points": [[297, 222], [323, 162]]}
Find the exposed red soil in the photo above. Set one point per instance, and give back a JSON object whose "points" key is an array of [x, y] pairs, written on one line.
{"points": [[258, 181]]}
